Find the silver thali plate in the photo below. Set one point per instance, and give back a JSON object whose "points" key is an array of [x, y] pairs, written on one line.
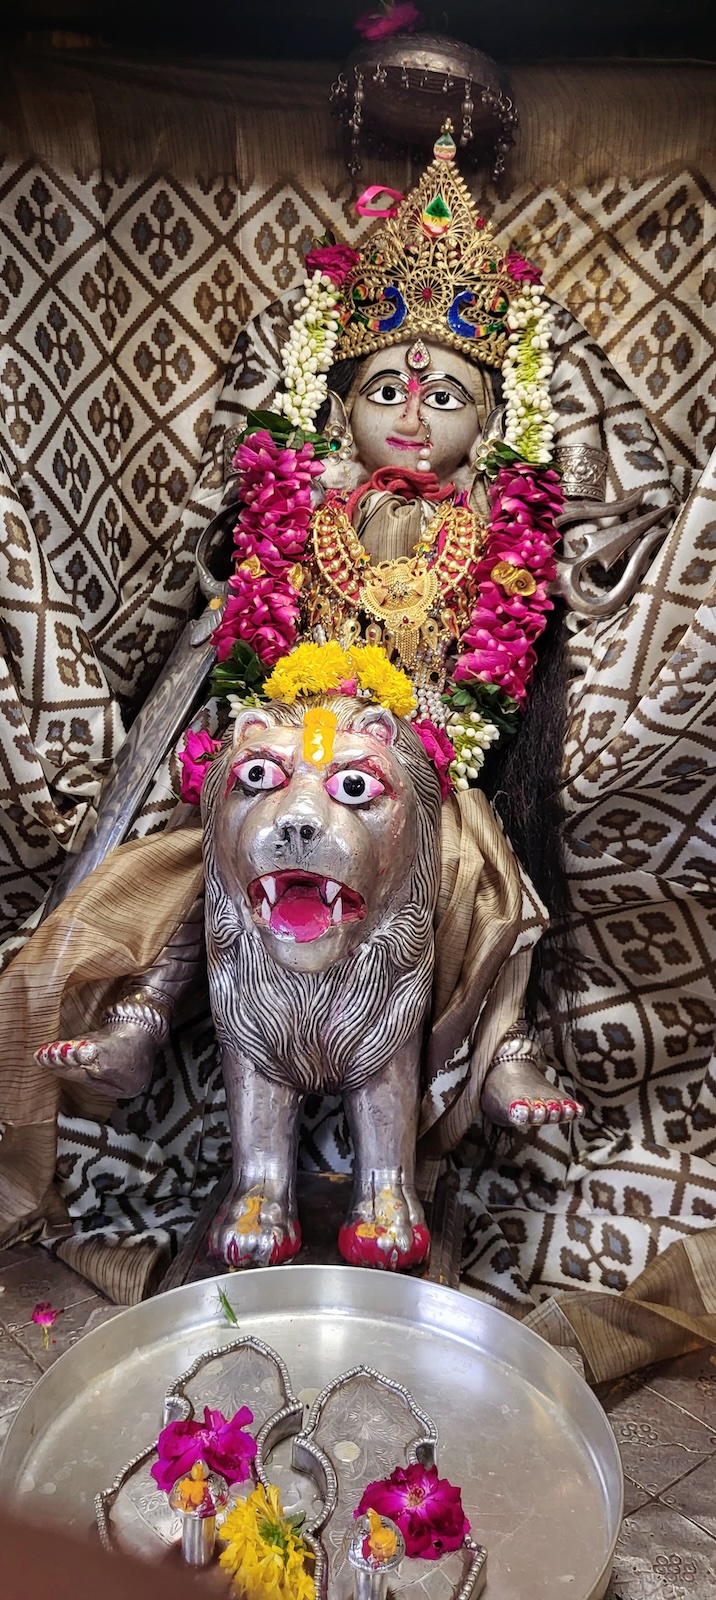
{"points": [[518, 1429]]}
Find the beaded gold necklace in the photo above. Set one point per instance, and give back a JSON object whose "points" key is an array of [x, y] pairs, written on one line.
{"points": [[402, 595]]}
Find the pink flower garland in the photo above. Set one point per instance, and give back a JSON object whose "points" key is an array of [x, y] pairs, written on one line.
{"points": [[439, 750], [402, 17], [199, 750], [498, 646], [262, 608]]}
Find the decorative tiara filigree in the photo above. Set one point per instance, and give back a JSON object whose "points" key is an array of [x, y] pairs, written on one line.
{"points": [[434, 270]]}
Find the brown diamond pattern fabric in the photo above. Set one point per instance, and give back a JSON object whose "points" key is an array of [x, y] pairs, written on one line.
{"points": [[152, 230]]}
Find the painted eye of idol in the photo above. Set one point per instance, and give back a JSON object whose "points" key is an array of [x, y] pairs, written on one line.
{"points": [[443, 400], [388, 393], [258, 773], [351, 787]]}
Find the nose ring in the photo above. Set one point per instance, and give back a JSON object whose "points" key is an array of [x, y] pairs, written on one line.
{"points": [[423, 462]]}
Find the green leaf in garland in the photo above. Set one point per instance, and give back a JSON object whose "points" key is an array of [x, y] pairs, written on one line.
{"points": [[283, 432], [272, 421], [488, 700], [295, 439], [241, 674]]}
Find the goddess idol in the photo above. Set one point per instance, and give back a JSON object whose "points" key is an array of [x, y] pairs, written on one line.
{"points": [[126, 1105], [394, 555]]}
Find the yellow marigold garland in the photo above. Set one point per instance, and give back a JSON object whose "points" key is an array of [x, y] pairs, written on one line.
{"points": [[386, 683], [263, 1551], [323, 668], [309, 669]]}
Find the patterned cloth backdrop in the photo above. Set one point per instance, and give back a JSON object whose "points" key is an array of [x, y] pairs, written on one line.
{"points": [[127, 280]]}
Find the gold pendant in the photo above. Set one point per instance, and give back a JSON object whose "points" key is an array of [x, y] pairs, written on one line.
{"points": [[399, 592]]}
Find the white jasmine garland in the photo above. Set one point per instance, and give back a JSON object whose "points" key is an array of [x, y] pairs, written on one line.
{"points": [[529, 417], [308, 354], [470, 736]]}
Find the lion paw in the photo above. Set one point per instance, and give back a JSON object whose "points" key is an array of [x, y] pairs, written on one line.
{"points": [[533, 1113], [363, 1244], [385, 1228], [251, 1230]]}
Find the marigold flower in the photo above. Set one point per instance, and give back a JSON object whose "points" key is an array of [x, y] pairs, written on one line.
{"points": [[264, 1551], [386, 683], [310, 669]]}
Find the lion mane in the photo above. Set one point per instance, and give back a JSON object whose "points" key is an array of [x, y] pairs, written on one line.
{"points": [[328, 1031]]}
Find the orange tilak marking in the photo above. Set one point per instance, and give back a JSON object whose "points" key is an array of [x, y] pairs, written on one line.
{"points": [[319, 732]]}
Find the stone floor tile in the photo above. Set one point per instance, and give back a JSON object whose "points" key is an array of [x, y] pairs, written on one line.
{"points": [[695, 1496], [18, 1376], [657, 1441], [663, 1556], [634, 1496], [74, 1321], [40, 1278], [18, 1253], [689, 1382]]}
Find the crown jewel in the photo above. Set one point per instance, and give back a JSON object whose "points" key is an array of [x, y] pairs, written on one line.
{"points": [[434, 270]]}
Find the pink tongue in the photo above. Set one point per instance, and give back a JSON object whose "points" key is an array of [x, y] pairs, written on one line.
{"points": [[301, 913]]}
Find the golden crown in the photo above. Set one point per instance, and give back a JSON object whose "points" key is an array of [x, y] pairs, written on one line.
{"points": [[434, 270]]}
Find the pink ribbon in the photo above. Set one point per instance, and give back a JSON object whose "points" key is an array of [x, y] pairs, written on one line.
{"points": [[364, 208]]}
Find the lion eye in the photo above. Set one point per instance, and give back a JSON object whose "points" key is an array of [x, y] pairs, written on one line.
{"points": [[258, 774], [354, 788]]}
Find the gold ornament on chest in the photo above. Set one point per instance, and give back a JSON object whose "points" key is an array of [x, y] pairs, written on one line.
{"points": [[410, 597]]}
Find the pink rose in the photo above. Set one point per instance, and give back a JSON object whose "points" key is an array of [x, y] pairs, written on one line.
{"points": [[520, 270], [439, 750], [427, 1509], [223, 1445], [336, 260], [199, 750], [401, 18]]}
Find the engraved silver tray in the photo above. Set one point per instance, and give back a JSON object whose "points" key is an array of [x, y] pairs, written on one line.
{"points": [[518, 1429]]}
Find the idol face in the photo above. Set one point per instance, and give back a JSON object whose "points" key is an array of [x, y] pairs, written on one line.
{"points": [[316, 855], [401, 416]]}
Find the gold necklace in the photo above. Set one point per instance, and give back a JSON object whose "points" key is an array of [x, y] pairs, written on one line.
{"points": [[399, 594]]}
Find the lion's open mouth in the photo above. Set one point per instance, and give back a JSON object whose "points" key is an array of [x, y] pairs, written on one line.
{"points": [[303, 905]]}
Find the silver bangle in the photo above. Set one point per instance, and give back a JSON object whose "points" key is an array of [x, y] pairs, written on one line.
{"points": [[143, 1010]]}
